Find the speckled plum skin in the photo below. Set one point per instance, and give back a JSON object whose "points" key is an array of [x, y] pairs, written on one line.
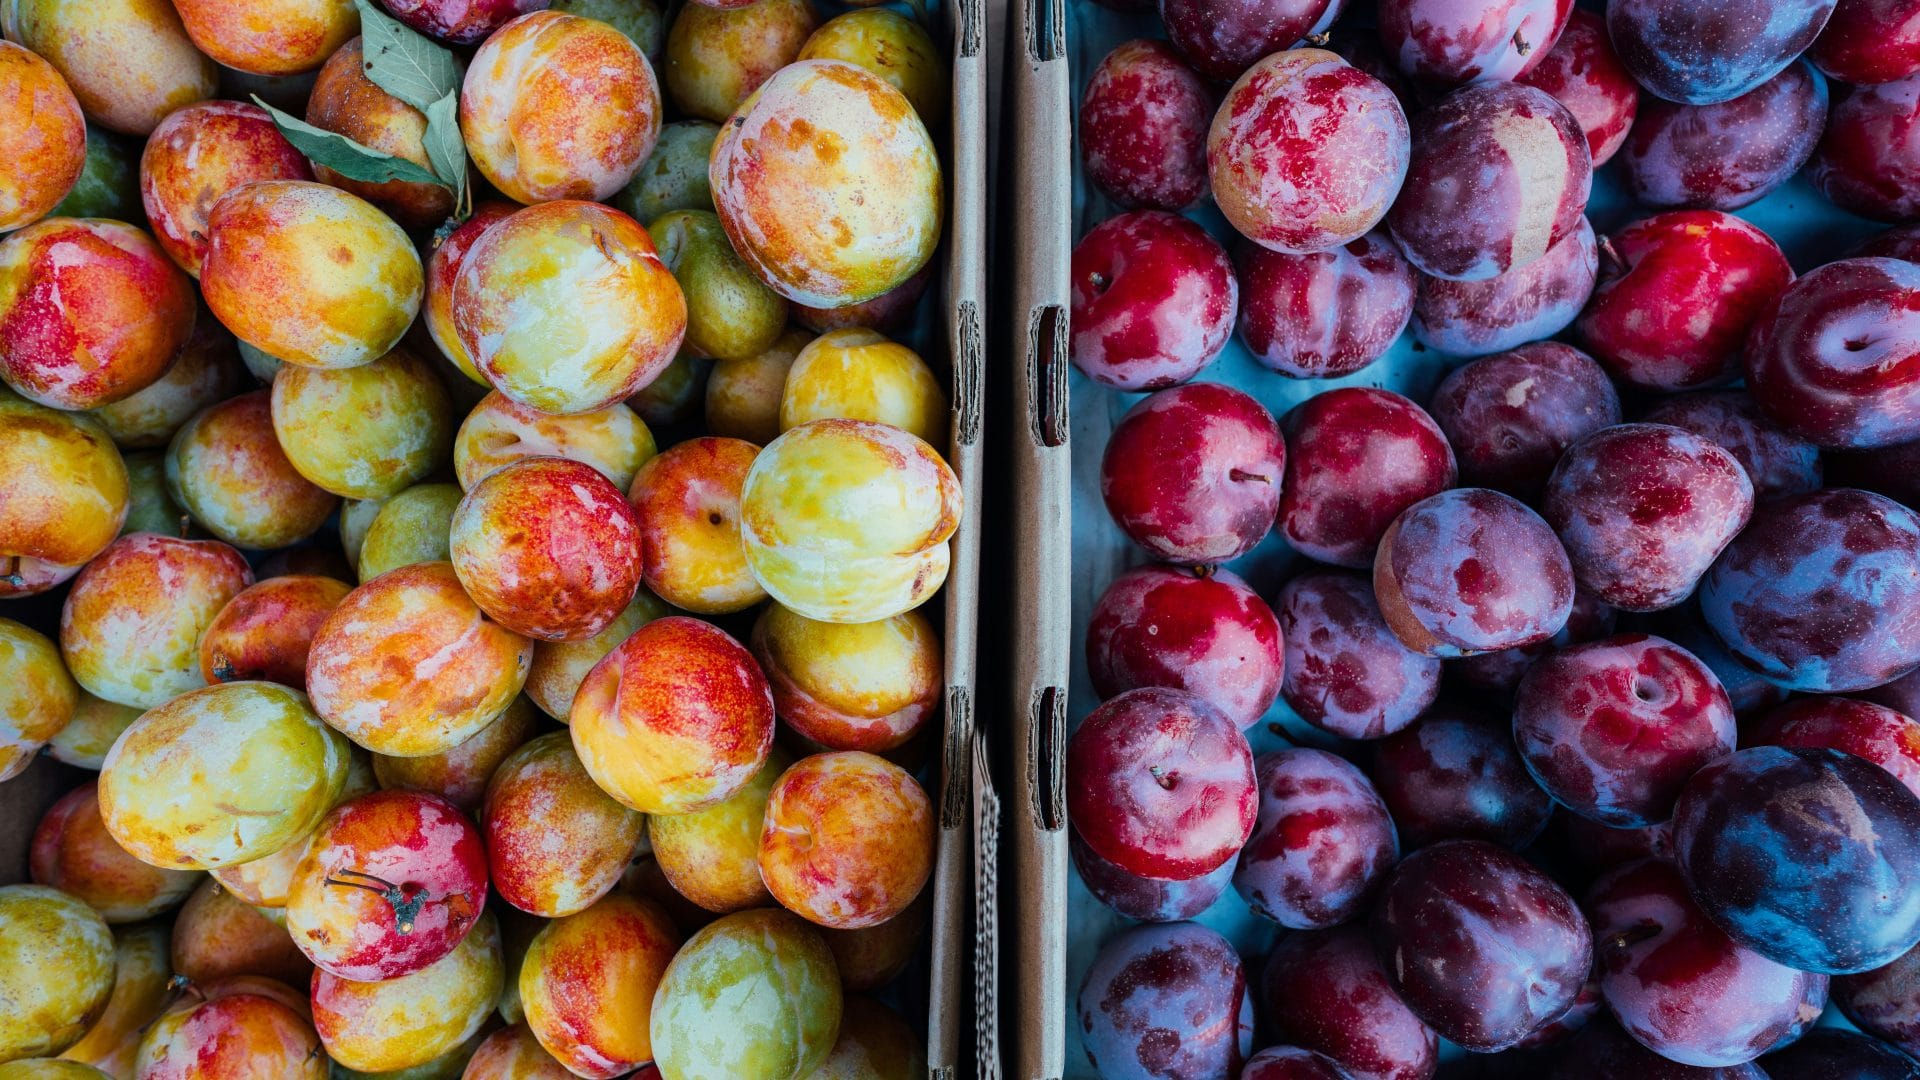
{"points": [[1455, 775], [199, 153], [1883, 736], [1527, 303], [1153, 300], [1466, 41], [1207, 634], [1223, 38], [49, 153], [1511, 415], [1724, 156], [1699, 54], [1501, 670], [1326, 991], [1358, 457], [1676, 296], [1603, 1052], [1868, 161], [1643, 510], [1749, 691], [1869, 41], [848, 841], [1469, 571], [1613, 728], [1821, 592], [1321, 844], [1327, 314], [1583, 73], [462, 22], [1307, 152], [1830, 1052], [1479, 943], [1147, 899], [1143, 127], [1832, 887], [1885, 1002], [1777, 462], [1166, 1001], [1160, 784], [1193, 474], [1346, 673], [1678, 984], [1499, 172]]}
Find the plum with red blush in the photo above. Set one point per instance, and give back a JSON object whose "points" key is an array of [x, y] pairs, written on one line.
{"points": [[1480, 943], [1747, 689], [1676, 296], [1327, 314], [1510, 416], [1643, 510], [1167, 999], [1778, 462], [1345, 672], [1161, 784], [1194, 474], [1699, 54], [1464, 41], [1143, 127], [1206, 633], [1143, 898], [1728, 155], [1526, 303], [1469, 571], [1502, 670], [1884, 736], [1223, 38], [1455, 775], [1583, 73], [1152, 301], [1322, 842], [1869, 41], [1357, 457], [1325, 990], [1868, 161]]}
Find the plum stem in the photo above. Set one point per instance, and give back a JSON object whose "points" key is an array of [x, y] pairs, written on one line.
{"points": [[406, 906], [1242, 476], [1099, 281], [1521, 45], [1160, 777], [222, 668], [1320, 40], [1631, 936], [1611, 263]]}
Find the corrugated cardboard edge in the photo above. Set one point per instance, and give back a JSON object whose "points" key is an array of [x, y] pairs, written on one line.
{"points": [[1040, 133], [949, 1004], [986, 940]]}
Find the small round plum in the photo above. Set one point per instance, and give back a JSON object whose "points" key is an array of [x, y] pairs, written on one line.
{"points": [[1480, 943], [532, 132], [1223, 38], [459, 22], [718, 55], [408, 1021], [1777, 462], [63, 495], [1821, 591], [414, 526], [269, 37], [1499, 173], [1869, 41], [874, 957], [130, 630], [892, 46], [565, 307], [1345, 671], [675, 719], [1194, 474], [874, 1044], [1324, 315], [1143, 127], [857, 374], [815, 226], [206, 371], [1528, 303], [46, 152], [221, 775], [1143, 898], [848, 520], [1612, 729], [770, 958], [556, 843], [109, 185], [674, 176], [1307, 152], [200, 153], [217, 936], [1454, 774], [39, 699], [129, 63], [1450, 41], [1152, 302], [1321, 845], [1583, 73], [1887, 738], [91, 312], [366, 432], [860, 686], [686, 504], [1511, 415], [1643, 510], [1832, 887], [1701, 54], [408, 665], [729, 312], [345, 101], [226, 467], [239, 1027], [559, 667], [499, 431], [1161, 784], [73, 852], [1357, 457], [1208, 634], [744, 394], [1325, 990], [1469, 571], [1725, 156], [712, 857], [1166, 1000], [461, 775], [848, 840], [150, 506], [141, 991], [58, 970], [309, 273], [1676, 296], [588, 982]]}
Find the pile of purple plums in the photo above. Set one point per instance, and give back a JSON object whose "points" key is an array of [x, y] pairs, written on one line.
{"points": [[1614, 644]]}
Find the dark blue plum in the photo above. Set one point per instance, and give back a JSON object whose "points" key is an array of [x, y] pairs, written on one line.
{"points": [[1167, 1002], [1885, 1002], [1835, 1054], [1455, 775], [1749, 691], [1147, 899], [1698, 53], [1821, 591], [1809, 857]]}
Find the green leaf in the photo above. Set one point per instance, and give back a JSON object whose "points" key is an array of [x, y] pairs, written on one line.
{"points": [[344, 156], [446, 149], [403, 62]]}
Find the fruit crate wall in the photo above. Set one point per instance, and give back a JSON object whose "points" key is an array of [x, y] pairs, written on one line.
{"points": [[1062, 933]]}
